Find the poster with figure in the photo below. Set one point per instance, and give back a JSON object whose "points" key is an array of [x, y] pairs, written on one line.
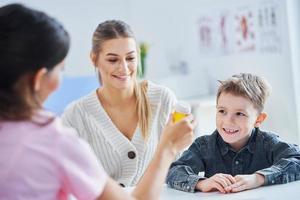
{"points": [[214, 33], [252, 28], [245, 32], [269, 28], [205, 34], [225, 32]]}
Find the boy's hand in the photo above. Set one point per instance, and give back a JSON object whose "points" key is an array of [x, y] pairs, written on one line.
{"points": [[246, 182], [217, 182]]}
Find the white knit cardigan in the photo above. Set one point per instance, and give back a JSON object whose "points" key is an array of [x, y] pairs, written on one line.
{"points": [[93, 124]]}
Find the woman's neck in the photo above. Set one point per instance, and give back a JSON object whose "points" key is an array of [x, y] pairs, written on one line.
{"points": [[115, 97]]}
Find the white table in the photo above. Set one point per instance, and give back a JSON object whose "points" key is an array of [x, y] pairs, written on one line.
{"points": [[290, 191]]}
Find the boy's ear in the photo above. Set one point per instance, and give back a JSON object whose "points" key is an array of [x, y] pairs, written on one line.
{"points": [[259, 120], [38, 78]]}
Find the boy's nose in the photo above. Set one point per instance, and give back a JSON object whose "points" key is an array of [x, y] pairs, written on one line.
{"points": [[229, 118]]}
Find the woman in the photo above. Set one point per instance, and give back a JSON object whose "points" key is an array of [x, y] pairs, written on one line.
{"points": [[123, 119]]}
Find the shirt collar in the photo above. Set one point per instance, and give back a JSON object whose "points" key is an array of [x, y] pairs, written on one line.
{"points": [[224, 147], [251, 142]]}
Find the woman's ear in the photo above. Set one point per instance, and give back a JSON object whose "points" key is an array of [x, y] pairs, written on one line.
{"points": [[38, 78], [260, 118], [93, 58]]}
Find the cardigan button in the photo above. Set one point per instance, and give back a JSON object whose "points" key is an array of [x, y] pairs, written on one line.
{"points": [[131, 155]]}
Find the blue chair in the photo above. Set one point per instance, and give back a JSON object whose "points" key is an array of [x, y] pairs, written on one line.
{"points": [[70, 89]]}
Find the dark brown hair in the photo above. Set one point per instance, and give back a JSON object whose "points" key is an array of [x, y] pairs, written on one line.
{"points": [[29, 41]]}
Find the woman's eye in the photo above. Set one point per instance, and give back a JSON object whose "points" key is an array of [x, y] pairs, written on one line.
{"points": [[130, 58], [112, 60]]}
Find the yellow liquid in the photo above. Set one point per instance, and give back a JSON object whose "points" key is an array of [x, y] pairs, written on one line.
{"points": [[178, 116]]}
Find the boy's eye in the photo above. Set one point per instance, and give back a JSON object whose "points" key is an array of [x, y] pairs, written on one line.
{"points": [[240, 114], [221, 111]]}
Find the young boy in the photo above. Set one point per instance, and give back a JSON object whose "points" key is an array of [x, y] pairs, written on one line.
{"points": [[238, 155]]}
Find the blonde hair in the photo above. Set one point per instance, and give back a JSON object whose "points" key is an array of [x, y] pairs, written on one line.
{"points": [[113, 29], [250, 86]]}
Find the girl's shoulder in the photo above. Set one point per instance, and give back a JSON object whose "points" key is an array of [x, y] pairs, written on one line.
{"points": [[50, 125], [43, 130]]}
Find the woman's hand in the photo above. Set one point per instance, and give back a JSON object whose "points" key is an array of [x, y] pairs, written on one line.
{"points": [[178, 135], [217, 182]]}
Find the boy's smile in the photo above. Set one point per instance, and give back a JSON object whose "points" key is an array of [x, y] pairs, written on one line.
{"points": [[230, 131], [235, 118]]}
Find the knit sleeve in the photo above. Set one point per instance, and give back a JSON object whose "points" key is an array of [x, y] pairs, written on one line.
{"points": [[72, 117], [162, 101]]}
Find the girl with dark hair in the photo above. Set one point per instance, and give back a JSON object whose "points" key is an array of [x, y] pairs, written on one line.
{"points": [[39, 157], [31, 44]]}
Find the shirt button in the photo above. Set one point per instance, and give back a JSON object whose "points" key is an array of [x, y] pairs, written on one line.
{"points": [[121, 184], [237, 162], [131, 155]]}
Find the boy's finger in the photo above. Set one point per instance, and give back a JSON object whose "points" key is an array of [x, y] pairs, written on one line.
{"points": [[231, 178], [239, 188], [228, 189], [222, 182], [228, 181], [219, 187], [237, 184]]}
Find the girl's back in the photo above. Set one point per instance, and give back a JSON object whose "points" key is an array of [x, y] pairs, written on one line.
{"points": [[41, 159]]}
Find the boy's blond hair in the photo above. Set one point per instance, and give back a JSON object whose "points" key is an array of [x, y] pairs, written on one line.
{"points": [[250, 86]]}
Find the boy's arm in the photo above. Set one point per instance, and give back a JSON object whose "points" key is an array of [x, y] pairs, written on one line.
{"points": [[286, 162], [183, 173]]}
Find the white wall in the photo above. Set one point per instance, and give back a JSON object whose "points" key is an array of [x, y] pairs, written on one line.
{"points": [[170, 28], [80, 18], [294, 30], [166, 27]]}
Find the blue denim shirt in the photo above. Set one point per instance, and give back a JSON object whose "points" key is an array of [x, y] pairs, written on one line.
{"points": [[264, 153]]}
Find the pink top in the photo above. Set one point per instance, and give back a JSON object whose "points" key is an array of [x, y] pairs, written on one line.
{"points": [[46, 162]]}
